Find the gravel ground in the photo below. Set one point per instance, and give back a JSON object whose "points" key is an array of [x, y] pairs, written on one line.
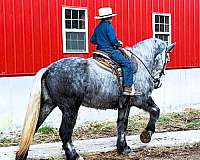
{"points": [[163, 153], [173, 153]]}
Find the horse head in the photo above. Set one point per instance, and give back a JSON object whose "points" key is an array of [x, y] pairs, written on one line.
{"points": [[161, 59]]}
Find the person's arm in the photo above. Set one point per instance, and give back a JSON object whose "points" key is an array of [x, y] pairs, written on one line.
{"points": [[93, 39], [112, 36]]}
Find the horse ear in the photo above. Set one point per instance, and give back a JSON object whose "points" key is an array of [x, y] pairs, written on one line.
{"points": [[170, 47]]}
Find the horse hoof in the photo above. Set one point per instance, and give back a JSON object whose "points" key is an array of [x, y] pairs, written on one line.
{"points": [[145, 136], [125, 151]]}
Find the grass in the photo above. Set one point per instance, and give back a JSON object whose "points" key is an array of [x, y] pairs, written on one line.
{"points": [[189, 119], [193, 124], [47, 130], [136, 124], [4, 142]]}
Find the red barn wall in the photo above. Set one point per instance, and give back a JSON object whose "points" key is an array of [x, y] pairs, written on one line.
{"points": [[31, 33]]}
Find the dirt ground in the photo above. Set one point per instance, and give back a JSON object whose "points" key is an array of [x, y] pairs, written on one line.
{"points": [[191, 152], [172, 153]]}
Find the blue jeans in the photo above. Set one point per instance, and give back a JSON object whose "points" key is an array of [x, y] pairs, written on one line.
{"points": [[127, 67]]}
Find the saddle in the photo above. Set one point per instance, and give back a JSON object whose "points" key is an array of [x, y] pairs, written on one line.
{"points": [[107, 63]]}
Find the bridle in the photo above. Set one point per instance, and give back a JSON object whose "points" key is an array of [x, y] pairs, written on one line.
{"points": [[157, 81]]}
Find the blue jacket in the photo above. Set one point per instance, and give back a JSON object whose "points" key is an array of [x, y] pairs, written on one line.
{"points": [[104, 36]]}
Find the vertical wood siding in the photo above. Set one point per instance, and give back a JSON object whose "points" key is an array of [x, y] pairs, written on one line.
{"points": [[31, 33]]}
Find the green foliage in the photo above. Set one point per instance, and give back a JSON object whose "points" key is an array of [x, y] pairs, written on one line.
{"points": [[195, 124], [96, 127], [5, 140], [47, 130], [136, 123], [165, 118], [180, 117]]}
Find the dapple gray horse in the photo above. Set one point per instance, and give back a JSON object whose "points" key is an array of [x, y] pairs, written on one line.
{"points": [[71, 82]]}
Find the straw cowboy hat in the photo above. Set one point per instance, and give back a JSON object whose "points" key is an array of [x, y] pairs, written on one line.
{"points": [[105, 13]]}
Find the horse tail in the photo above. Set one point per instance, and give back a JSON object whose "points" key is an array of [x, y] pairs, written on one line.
{"points": [[32, 115]]}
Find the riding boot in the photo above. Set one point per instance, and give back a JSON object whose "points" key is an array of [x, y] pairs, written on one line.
{"points": [[130, 91]]}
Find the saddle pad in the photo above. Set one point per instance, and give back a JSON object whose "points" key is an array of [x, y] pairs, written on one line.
{"points": [[106, 63]]}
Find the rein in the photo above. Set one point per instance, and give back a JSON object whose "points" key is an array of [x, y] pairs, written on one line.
{"points": [[155, 80]]}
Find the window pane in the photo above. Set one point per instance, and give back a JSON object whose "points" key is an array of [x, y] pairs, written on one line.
{"points": [[74, 14], [81, 24], [166, 28], [68, 42], [68, 45], [164, 37], [160, 37], [74, 45], [73, 35], [68, 36], [76, 41], [68, 14], [161, 19], [167, 19], [162, 28], [68, 24], [81, 36], [81, 45], [82, 14], [75, 24], [82, 41], [156, 19], [157, 27]]}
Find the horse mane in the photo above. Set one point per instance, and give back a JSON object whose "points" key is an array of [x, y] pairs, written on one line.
{"points": [[148, 48]]}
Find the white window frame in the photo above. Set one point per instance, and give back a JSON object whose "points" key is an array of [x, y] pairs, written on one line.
{"points": [[163, 33], [65, 30]]}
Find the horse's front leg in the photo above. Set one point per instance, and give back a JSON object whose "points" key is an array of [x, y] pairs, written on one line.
{"points": [[122, 122], [154, 112]]}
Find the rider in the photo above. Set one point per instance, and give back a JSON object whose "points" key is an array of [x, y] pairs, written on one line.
{"points": [[105, 38]]}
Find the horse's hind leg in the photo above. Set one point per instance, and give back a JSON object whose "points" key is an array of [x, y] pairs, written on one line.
{"points": [[122, 123], [47, 105], [154, 112], [46, 109], [69, 110]]}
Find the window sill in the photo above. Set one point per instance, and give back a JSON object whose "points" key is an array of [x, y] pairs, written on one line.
{"points": [[75, 52]]}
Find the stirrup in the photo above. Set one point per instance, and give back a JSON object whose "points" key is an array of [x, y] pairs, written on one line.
{"points": [[130, 91], [132, 94]]}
